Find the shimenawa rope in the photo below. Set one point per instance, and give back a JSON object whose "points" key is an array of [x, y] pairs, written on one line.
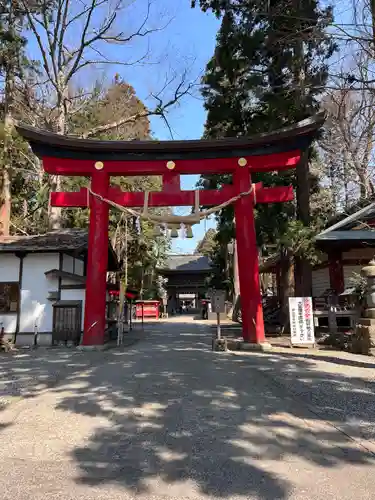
{"points": [[194, 218]]}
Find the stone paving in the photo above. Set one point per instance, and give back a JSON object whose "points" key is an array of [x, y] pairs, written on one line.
{"points": [[167, 418]]}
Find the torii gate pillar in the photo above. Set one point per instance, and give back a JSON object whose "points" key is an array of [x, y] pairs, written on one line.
{"points": [[248, 268], [97, 263]]}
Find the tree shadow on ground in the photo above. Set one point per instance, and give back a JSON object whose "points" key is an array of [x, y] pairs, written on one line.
{"points": [[332, 359], [223, 424]]}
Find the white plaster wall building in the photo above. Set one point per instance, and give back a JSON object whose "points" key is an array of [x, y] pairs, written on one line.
{"points": [[42, 286]]}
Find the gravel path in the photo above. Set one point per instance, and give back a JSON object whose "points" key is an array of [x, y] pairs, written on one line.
{"points": [[167, 418]]}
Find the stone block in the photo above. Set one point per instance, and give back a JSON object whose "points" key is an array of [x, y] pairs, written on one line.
{"points": [[44, 339], [370, 313], [248, 346], [233, 344], [24, 339], [364, 339], [219, 345], [102, 347], [369, 271]]}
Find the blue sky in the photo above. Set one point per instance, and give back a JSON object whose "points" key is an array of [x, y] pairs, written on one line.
{"points": [[187, 43], [183, 45], [183, 41]]}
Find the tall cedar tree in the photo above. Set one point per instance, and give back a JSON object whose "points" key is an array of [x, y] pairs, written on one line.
{"points": [[11, 58], [14, 72], [268, 70]]}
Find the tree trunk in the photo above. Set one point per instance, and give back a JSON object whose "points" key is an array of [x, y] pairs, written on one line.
{"points": [[6, 184], [303, 269], [54, 214], [365, 184], [5, 197], [286, 286], [142, 283], [236, 279], [236, 284], [372, 3], [5, 202]]}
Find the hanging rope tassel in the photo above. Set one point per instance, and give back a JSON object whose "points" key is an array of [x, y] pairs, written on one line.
{"points": [[145, 204], [189, 232], [174, 232], [196, 204]]}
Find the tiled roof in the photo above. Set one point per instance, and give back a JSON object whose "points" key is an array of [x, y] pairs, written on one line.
{"points": [[360, 219], [62, 239], [362, 209], [187, 263], [288, 138]]}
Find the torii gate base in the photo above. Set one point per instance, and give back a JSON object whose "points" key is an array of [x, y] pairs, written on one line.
{"points": [[100, 160]]}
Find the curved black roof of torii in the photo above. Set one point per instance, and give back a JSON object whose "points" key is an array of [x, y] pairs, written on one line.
{"points": [[294, 137]]}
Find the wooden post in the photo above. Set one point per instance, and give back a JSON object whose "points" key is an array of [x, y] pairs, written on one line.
{"points": [[336, 272], [97, 263], [248, 264]]}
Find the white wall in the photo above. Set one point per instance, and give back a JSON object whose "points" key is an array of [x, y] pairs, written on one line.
{"points": [[79, 267], [68, 263], [35, 307], [75, 295], [9, 267], [9, 322], [9, 271], [320, 281], [72, 265]]}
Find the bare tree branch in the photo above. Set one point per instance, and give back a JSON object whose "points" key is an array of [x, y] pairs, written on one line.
{"points": [[40, 44]]}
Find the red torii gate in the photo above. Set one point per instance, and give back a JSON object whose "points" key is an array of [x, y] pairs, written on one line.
{"points": [[99, 160]]}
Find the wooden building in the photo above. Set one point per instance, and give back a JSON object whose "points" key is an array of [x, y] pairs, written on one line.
{"points": [[42, 286], [347, 244], [187, 275]]}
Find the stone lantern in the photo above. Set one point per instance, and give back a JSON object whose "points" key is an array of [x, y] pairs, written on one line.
{"points": [[364, 340]]}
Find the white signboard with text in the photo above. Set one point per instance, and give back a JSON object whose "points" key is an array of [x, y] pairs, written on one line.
{"points": [[301, 320]]}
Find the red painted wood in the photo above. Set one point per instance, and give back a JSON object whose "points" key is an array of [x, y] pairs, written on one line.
{"points": [[248, 265], [171, 182], [148, 309], [71, 199], [264, 163], [95, 299], [172, 197], [278, 194], [336, 272], [136, 199]]}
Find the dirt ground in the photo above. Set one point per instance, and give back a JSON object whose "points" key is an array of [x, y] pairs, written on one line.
{"points": [[168, 418]]}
